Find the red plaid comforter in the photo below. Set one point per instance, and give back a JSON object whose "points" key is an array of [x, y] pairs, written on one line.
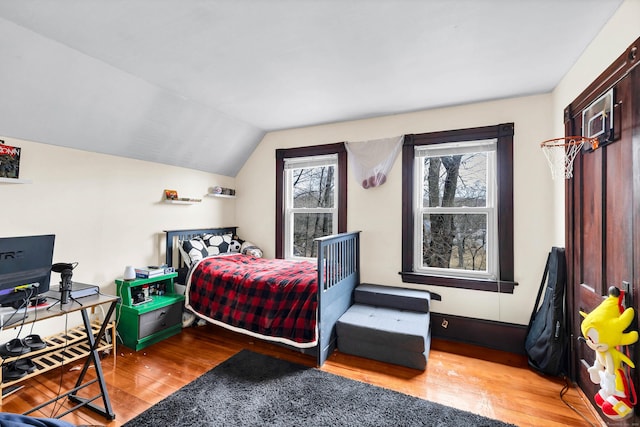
{"points": [[273, 298]]}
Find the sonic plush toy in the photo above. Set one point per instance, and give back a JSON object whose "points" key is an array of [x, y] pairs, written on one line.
{"points": [[603, 330]]}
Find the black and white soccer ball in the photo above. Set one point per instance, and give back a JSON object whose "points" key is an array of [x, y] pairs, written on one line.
{"points": [[235, 246], [216, 243], [194, 249]]}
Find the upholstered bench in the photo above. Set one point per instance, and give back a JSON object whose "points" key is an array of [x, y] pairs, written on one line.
{"points": [[387, 324]]}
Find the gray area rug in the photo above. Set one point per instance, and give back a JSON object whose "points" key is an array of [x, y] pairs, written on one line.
{"points": [[251, 389]]}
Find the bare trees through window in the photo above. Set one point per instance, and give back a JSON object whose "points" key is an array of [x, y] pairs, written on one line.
{"points": [[313, 200], [454, 234]]}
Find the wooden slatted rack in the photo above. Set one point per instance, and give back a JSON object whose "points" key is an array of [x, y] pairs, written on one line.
{"points": [[62, 349]]}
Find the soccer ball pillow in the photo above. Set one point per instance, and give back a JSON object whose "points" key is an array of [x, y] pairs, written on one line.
{"points": [[217, 243], [236, 244], [193, 250]]}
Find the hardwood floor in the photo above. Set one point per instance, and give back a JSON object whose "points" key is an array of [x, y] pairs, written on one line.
{"points": [[491, 383]]}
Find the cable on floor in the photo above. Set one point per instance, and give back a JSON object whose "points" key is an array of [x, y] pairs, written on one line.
{"points": [[563, 392]]}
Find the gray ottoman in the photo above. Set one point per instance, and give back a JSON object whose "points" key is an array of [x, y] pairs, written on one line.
{"points": [[387, 324]]}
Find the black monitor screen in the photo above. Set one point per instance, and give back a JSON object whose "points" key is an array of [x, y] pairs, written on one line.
{"points": [[25, 266]]}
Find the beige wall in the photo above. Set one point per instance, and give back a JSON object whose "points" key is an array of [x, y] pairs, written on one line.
{"points": [[539, 203], [377, 212], [105, 211]]}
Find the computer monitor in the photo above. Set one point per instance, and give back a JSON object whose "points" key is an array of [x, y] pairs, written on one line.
{"points": [[25, 267]]}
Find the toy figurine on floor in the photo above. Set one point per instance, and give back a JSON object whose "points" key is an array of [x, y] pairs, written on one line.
{"points": [[603, 330]]}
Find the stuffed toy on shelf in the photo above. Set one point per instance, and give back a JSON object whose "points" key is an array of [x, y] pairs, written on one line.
{"points": [[603, 330]]}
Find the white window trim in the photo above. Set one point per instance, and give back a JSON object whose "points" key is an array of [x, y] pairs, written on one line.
{"points": [[290, 164], [491, 209]]}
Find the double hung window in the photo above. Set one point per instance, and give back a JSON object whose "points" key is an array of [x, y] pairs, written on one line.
{"points": [[457, 223], [310, 198], [455, 200], [311, 203]]}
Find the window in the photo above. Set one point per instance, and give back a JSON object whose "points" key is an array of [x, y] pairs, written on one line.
{"points": [[311, 198], [310, 203], [455, 209], [458, 208]]}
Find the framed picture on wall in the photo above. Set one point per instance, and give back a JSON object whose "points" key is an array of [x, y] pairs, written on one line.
{"points": [[9, 161]]}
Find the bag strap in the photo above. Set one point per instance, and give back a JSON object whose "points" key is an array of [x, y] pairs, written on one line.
{"points": [[542, 285]]}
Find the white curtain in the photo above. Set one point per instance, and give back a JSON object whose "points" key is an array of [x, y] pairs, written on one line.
{"points": [[372, 160]]}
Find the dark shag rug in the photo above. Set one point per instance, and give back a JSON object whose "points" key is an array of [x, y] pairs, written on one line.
{"points": [[251, 389]]}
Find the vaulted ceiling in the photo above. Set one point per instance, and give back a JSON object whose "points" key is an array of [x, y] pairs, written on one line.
{"points": [[197, 83]]}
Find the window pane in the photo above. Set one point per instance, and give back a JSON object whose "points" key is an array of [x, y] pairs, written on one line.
{"points": [[459, 180], [307, 227], [455, 241], [313, 187]]}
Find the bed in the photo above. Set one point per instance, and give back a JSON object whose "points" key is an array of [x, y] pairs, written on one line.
{"points": [[328, 289]]}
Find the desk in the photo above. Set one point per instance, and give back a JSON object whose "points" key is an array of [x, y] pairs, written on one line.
{"points": [[86, 344]]}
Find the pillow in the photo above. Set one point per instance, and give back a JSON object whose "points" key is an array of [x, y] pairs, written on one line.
{"points": [[193, 250], [250, 249], [236, 244], [217, 243]]}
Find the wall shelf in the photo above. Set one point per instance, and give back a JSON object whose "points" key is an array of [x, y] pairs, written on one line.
{"points": [[14, 181], [182, 202], [224, 196], [171, 196], [218, 191]]}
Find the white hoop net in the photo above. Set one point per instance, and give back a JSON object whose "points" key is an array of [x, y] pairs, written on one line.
{"points": [[560, 153]]}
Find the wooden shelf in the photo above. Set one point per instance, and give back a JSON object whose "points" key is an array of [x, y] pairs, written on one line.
{"points": [[62, 349], [14, 181]]}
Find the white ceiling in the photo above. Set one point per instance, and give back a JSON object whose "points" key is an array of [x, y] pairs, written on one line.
{"points": [[197, 83]]}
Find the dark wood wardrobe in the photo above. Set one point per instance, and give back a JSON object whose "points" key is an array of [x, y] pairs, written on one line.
{"points": [[603, 211]]}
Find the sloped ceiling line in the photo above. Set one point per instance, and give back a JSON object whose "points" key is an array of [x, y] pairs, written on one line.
{"points": [[197, 84]]}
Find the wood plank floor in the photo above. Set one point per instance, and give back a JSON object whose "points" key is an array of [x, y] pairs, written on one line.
{"points": [[491, 383]]}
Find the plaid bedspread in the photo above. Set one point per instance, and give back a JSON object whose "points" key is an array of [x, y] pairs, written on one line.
{"points": [[273, 298]]}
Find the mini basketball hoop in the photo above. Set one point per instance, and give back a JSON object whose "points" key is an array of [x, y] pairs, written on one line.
{"points": [[561, 152]]}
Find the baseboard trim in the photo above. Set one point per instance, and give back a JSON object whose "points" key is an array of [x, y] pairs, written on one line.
{"points": [[485, 333]]}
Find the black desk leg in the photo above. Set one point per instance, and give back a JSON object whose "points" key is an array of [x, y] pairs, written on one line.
{"points": [[106, 411]]}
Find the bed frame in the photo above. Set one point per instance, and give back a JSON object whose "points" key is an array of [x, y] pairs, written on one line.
{"points": [[338, 275]]}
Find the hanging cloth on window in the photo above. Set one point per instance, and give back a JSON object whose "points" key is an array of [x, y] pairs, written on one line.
{"points": [[372, 160]]}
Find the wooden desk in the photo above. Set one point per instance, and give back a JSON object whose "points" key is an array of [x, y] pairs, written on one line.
{"points": [[86, 344]]}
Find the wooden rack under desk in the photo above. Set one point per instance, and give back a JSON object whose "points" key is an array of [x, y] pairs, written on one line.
{"points": [[62, 349], [72, 345]]}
